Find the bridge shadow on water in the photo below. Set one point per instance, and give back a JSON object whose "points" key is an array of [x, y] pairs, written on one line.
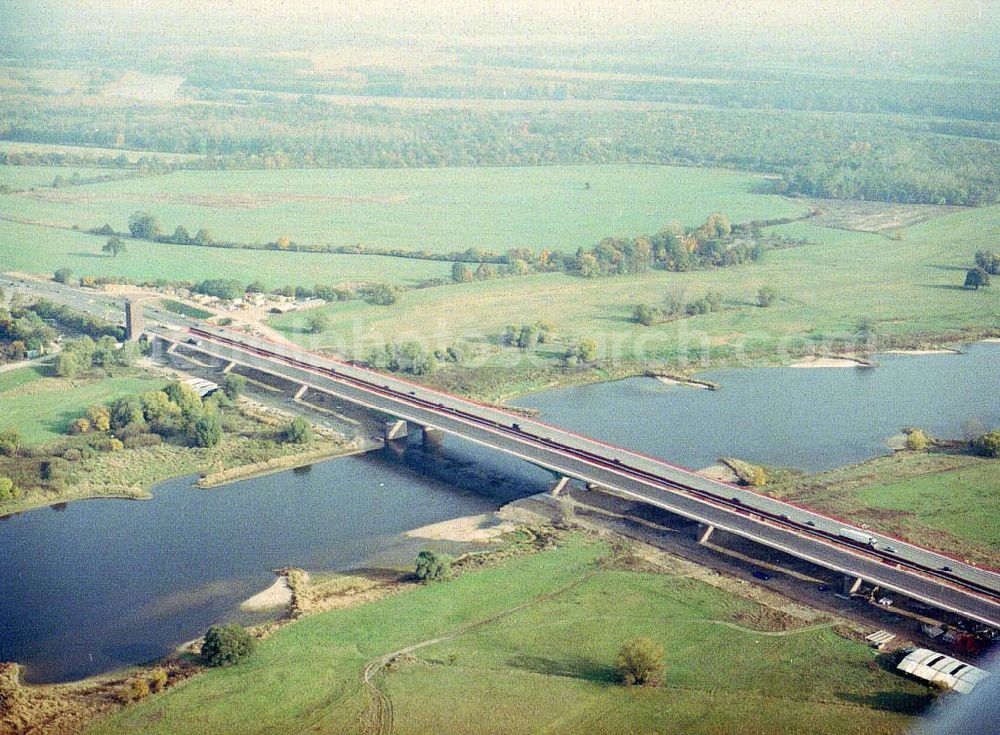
{"points": [[466, 467]]}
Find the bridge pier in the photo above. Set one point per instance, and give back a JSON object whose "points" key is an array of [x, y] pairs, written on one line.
{"points": [[299, 393], [558, 486], [852, 584], [431, 437], [705, 532], [396, 429], [229, 366], [172, 348]]}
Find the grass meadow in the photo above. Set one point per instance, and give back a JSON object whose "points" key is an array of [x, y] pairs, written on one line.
{"points": [[909, 290], [440, 210], [43, 407], [545, 668], [34, 249], [26, 177], [963, 503], [942, 500]]}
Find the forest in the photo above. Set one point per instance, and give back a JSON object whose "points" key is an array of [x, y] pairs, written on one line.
{"points": [[887, 133]]}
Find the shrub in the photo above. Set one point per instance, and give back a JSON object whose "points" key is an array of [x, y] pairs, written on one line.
{"points": [[206, 431], [131, 431], [646, 315], [79, 426], [142, 440], [63, 275], [144, 226], [977, 278], [748, 474], [766, 296], [10, 440], [99, 418], [72, 455], [917, 440], [584, 351], [988, 444], [226, 645], [298, 431], [8, 490], [640, 663], [318, 323], [432, 567], [383, 294], [108, 444], [757, 477], [158, 680], [233, 385], [125, 411], [68, 364], [135, 690]]}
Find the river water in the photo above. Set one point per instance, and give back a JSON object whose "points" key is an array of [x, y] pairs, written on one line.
{"points": [[810, 419], [100, 584]]}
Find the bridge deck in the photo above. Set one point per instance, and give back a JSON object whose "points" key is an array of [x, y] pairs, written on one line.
{"points": [[909, 569]]}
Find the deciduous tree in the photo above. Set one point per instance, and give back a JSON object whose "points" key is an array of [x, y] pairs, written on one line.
{"points": [[640, 663], [226, 645]]}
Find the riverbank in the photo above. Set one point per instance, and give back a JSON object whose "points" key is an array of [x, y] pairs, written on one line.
{"points": [[287, 462], [248, 448], [499, 384], [484, 626]]}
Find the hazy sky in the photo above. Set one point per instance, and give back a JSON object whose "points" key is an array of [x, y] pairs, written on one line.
{"points": [[849, 24], [866, 16]]}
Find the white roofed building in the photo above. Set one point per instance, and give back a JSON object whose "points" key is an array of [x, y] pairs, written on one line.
{"points": [[201, 387], [937, 667]]}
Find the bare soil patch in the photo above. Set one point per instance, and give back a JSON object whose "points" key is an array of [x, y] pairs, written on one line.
{"points": [[874, 216], [482, 527]]}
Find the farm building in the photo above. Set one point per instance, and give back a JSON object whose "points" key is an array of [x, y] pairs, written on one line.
{"points": [[202, 387], [936, 667]]}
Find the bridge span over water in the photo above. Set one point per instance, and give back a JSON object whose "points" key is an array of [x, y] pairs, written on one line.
{"points": [[921, 574]]}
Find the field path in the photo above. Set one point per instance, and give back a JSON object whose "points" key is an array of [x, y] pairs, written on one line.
{"points": [[380, 712]]}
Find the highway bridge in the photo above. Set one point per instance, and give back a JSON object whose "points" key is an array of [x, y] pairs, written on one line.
{"points": [[930, 577], [924, 575]]}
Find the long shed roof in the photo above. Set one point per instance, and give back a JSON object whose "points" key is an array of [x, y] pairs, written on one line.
{"points": [[937, 667]]}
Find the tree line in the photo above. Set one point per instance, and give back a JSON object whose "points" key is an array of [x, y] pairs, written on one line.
{"points": [[814, 154]]}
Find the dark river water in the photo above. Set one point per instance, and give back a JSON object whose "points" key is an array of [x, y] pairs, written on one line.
{"points": [[104, 583], [811, 419]]}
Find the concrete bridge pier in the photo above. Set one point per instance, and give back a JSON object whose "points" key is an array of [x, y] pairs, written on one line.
{"points": [[229, 366], [300, 392], [431, 437], [396, 429], [705, 532], [852, 584], [558, 486]]}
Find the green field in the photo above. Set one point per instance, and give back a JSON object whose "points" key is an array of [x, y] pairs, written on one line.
{"points": [[439, 210], [910, 289], [42, 407], [544, 668], [963, 503], [34, 249], [942, 500], [25, 177]]}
